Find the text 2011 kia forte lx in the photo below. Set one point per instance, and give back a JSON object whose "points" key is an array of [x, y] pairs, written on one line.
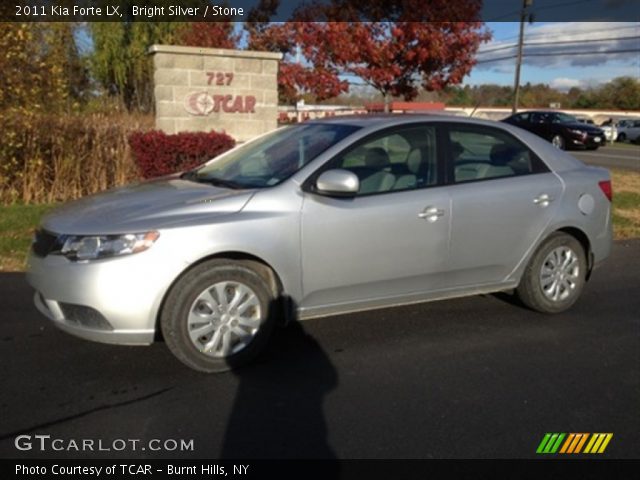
{"points": [[321, 218]]}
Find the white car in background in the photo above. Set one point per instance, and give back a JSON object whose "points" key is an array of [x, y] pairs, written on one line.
{"points": [[610, 132], [628, 129]]}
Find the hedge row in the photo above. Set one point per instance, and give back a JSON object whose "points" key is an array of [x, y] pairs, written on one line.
{"points": [[157, 153]]}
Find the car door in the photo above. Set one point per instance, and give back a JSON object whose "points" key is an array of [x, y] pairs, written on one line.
{"points": [[392, 238], [541, 125], [503, 196], [633, 132]]}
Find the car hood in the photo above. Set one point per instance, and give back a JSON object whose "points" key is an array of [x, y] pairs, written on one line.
{"points": [[583, 126], [163, 203]]}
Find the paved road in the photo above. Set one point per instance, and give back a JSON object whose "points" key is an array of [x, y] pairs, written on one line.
{"points": [[611, 157], [476, 377]]}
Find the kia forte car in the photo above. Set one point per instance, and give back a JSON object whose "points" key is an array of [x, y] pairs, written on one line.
{"points": [[562, 130], [323, 218]]}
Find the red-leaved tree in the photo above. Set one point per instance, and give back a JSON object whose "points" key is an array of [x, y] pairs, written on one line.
{"points": [[295, 75], [396, 54], [219, 34]]}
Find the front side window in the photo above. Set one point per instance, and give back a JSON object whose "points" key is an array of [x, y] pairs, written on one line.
{"points": [[480, 153], [404, 159], [273, 158], [540, 117], [564, 118]]}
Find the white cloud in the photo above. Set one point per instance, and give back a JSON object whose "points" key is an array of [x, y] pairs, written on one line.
{"points": [[551, 50], [564, 83]]}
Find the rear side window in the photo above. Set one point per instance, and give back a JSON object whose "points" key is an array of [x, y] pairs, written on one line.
{"points": [[481, 153]]}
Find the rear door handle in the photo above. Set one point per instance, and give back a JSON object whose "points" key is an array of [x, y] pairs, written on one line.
{"points": [[543, 200], [431, 214]]}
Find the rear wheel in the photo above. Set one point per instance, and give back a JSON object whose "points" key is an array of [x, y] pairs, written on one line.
{"points": [[555, 275], [218, 316], [558, 142]]}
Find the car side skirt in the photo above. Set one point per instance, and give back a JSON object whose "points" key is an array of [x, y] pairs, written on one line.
{"points": [[397, 301]]}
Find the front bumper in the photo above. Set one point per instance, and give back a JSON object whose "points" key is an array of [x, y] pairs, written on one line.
{"points": [[51, 309], [113, 300], [589, 141]]}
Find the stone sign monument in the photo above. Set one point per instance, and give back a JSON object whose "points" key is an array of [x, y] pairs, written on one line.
{"points": [[204, 89]]}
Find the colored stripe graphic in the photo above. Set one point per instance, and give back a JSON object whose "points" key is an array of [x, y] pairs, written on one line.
{"points": [[598, 442], [550, 442], [574, 443]]}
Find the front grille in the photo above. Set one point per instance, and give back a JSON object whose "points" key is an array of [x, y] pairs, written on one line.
{"points": [[84, 316], [44, 243], [591, 135]]}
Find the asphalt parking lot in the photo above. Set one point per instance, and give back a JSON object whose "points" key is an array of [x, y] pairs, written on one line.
{"points": [[611, 157], [476, 377]]}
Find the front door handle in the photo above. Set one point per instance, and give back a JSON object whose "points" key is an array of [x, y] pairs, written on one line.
{"points": [[543, 200], [431, 214]]}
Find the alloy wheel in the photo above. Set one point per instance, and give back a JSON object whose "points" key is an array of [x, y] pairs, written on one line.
{"points": [[560, 274]]}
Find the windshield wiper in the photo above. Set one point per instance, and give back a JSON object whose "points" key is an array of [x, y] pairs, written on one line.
{"points": [[220, 182], [192, 176]]}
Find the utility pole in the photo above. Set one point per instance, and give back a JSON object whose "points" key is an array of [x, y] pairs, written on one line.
{"points": [[516, 84]]}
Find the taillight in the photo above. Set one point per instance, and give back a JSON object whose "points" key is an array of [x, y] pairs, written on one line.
{"points": [[605, 186]]}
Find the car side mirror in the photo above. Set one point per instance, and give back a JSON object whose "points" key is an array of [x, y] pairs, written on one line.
{"points": [[338, 183]]}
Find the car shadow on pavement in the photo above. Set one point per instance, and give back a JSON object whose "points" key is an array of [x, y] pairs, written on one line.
{"points": [[278, 407]]}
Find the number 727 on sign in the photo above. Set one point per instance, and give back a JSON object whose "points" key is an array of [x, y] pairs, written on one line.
{"points": [[219, 78]]}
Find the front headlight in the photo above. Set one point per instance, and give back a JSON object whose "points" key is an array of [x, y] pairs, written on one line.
{"points": [[578, 132], [90, 247]]}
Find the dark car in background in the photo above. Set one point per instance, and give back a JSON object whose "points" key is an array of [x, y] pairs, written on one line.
{"points": [[562, 130]]}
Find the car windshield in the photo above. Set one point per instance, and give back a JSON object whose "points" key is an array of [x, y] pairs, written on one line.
{"points": [[272, 158], [564, 118]]}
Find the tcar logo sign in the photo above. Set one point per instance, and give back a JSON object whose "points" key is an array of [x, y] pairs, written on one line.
{"points": [[201, 104]]}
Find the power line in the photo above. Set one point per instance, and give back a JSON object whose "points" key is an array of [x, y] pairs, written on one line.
{"points": [[553, 54], [496, 59], [561, 42], [593, 52], [570, 32]]}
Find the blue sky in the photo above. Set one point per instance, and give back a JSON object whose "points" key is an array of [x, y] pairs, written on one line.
{"points": [[561, 71]]}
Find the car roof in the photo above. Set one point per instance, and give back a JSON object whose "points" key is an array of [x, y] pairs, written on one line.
{"points": [[392, 119]]}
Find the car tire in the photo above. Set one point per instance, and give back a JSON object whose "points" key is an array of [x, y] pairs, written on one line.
{"points": [[593, 147], [558, 142], [555, 275], [207, 308], [621, 137]]}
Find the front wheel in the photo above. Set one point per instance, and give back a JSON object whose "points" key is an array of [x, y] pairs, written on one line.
{"points": [[621, 137], [558, 142], [218, 316], [592, 147], [555, 275]]}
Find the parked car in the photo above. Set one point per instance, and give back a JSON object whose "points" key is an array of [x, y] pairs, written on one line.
{"points": [[628, 129], [586, 121], [321, 218], [562, 130], [610, 132]]}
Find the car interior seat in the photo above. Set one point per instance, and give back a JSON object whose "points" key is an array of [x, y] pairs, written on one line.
{"points": [[376, 161]]}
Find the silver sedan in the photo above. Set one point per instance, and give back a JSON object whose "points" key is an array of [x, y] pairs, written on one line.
{"points": [[322, 218]]}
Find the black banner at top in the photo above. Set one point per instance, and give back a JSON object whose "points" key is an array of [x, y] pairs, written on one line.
{"points": [[318, 10]]}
